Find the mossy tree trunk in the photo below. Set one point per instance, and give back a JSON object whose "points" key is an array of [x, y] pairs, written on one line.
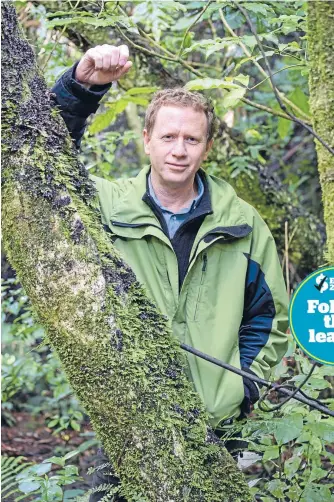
{"points": [[321, 81], [115, 347]]}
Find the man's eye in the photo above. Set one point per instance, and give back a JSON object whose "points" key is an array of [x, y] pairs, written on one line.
{"points": [[168, 137], [192, 140]]}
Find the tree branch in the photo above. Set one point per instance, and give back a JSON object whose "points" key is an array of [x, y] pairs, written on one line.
{"points": [[261, 70], [277, 95]]}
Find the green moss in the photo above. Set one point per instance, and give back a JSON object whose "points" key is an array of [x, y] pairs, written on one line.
{"points": [[321, 62]]}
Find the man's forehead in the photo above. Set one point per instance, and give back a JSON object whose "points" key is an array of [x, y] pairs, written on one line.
{"points": [[179, 116]]}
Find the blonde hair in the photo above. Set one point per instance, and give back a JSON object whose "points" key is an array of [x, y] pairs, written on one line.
{"points": [[182, 98]]}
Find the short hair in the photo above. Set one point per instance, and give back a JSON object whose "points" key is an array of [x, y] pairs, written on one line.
{"points": [[182, 98]]}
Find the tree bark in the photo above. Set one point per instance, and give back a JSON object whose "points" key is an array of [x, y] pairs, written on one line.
{"points": [[117, 350], [321, 82]]}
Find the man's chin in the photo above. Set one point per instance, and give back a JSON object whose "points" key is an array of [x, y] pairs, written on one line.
{"points": [[176, 173]]}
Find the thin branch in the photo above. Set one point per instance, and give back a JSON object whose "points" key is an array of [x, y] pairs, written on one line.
{"points": [[143, 49], [213, 29], [264, 108], [191, 26], [259, 67], [155, 54], [277, 95], [274, 73], [54, 48]]}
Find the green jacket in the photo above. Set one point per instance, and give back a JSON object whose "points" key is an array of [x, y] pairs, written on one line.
{"points": [[232, 303]]}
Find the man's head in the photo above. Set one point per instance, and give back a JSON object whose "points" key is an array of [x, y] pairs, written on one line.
{"points": [[179, 127]]}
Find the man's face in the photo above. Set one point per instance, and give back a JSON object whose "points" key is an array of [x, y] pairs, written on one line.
{"points": [[177, 145]]}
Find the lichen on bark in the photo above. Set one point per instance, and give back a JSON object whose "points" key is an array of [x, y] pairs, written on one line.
{"points": [[320, 23], [116, 348]]}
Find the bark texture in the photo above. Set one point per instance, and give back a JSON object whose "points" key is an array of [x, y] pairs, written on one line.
{"points": [[115, 347], [321, 81]]}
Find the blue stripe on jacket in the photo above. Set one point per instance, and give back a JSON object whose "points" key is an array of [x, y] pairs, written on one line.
{"points": [[259, 312]]}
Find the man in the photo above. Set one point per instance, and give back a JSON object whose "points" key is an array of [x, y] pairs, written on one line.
{"points": [[206, 257]]}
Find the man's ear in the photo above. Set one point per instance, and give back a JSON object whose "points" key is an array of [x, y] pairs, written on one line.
{"points": [[146, 142], [208, 148]]}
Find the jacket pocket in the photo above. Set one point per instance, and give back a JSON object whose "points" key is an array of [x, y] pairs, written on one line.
{"points": [[199, 295]]}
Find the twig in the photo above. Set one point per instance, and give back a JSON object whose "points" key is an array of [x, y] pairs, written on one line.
{"points": [[191, 26], [265, 108], [259, 67], [274, 73], [54, 47], [293, 395], [299, 395], [277, 94]]}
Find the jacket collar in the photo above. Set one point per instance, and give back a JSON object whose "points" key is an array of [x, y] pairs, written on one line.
{"points": [[138, 209]]}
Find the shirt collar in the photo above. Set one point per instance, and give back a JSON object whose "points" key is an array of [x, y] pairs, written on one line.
{"points": [[193, 205]]}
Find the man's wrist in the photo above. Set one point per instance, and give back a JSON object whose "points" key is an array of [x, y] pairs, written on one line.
{"points": [[83, 84]]}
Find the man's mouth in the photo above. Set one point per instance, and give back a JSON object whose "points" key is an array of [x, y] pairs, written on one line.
{"points": [[176, 165]]}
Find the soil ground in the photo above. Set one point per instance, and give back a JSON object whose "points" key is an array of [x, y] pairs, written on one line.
{"points": [[31, 438]]}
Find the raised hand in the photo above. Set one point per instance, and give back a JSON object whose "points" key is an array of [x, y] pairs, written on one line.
{"points": [[103, 64]]}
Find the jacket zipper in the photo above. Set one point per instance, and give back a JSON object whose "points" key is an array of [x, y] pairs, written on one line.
{"points": [[136, 225], [204, 266]]}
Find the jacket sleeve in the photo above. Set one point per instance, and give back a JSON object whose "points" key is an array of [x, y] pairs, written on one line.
{"points": [[262, 335], [76, 102]]}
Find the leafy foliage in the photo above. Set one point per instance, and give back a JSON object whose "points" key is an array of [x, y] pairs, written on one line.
{"points": [[23, 480]]}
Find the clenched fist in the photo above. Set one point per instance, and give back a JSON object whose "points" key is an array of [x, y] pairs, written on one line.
{"points": [[103, 64]]}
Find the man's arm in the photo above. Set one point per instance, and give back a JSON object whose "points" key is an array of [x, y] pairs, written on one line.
{"points": [[79, 91], [262, 338]]}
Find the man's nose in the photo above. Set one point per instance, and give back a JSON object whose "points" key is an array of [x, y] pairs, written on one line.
{"points": [[179, 149]]}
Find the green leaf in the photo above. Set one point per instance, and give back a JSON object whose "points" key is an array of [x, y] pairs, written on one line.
{"points": [[232, 99], [323, 430], [243, 79], [317, 473], [284, 127], [316, 444], [54, 422], [209, 83], [249, 40], [55, 491], [271, 452], [316, 493], [141, 90], [276, 488], [41, 469], [288, 428], [70, 454], [75, 426], [105, 119], [138, 100], [29, 486], [71, 495], [257, 8], [56, 460], [291, 466], [219, 46], [299, 98], [90, 20]]}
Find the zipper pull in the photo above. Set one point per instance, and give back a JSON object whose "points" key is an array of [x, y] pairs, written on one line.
{"points": [[205, 262]]}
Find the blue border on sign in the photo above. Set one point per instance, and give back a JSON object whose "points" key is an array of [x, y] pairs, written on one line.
{"points": [[290, 316]]}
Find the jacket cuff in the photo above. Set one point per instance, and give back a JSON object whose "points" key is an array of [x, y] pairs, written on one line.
{"points": [[251, 393], [79, 100]]}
